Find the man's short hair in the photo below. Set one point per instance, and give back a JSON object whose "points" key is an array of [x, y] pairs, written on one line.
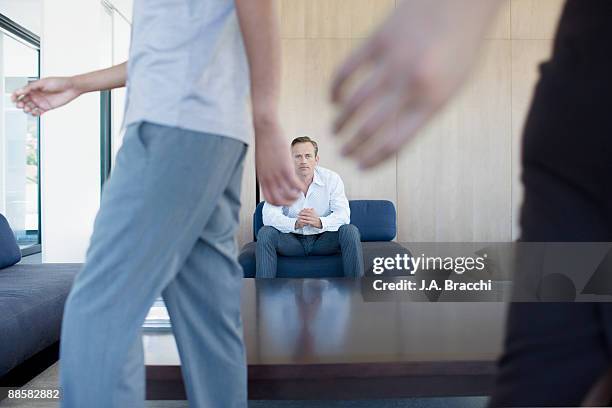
{"points": [[306, 139]]}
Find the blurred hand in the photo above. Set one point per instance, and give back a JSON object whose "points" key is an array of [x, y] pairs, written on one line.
{"points": [[413, 64], [45, 94], [308, 216], [275, 171]]}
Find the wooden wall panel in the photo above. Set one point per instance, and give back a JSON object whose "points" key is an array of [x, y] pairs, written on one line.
{"points": [[501, 28], [454, 181], [247, 199], [486, 113], [292, 18], [306, 111], [293, 91], [340, 19], [459, 180], [366, 15], [526, 57], [313, 47], [535, 19], [328, 19], [326, 55]]}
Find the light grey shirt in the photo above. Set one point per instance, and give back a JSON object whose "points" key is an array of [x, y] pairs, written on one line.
{"points": [[325, 194], [188, 67]]}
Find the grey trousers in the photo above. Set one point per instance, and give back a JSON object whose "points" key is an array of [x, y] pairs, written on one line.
{"points": [[271, 243], [166, 226]]}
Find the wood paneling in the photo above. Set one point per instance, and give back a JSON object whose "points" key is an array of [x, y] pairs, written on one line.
{"points": [[328, 54], [526, 57], [306, 111], [454, 182], [328, 19], [293, 18], [340, 19], [501, 28], [247, 199], [459, 180], [366, 15], [293, 90], [535, 19]]}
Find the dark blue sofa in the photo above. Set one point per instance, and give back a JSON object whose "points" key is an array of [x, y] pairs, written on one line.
{"points": [[32, 301], [376, 221]]}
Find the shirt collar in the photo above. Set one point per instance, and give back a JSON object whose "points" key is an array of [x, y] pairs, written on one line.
{"points": [[317, 179]]}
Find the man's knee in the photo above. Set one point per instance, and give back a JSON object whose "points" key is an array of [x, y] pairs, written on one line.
{"points": [[349, 233], [267, 234]]}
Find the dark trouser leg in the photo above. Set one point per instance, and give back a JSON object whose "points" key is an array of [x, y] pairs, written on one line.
{"points": [[347, 241], [352, 252], [554, 352], [265, 252], [271, 243]]}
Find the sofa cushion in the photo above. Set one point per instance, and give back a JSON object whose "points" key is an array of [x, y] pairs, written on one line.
{"points": [[375, 219], [10, 253], [32, 301]]}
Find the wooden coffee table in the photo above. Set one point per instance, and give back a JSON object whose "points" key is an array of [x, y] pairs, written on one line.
{"points": [[319, 339]]}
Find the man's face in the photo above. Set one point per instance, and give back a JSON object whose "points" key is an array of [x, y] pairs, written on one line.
{"points": [[304, 159]]}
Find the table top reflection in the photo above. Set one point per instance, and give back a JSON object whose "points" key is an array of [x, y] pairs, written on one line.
{"points": [[328, 321], [293, 324]]}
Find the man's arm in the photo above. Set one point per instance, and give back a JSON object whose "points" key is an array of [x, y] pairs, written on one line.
{"points": [[45, 94], [339, 207], [260, 31], [274, 217]]}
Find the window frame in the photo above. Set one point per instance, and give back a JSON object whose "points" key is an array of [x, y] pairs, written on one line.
{"points": [[28, 38]]}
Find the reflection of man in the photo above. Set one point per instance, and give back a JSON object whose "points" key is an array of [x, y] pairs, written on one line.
{"points": [[315, 315], [318, 223]]}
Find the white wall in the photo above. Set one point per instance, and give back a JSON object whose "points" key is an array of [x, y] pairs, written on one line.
{"points": [[124, 7], [18, 198], [24, 12], [70, 137]]}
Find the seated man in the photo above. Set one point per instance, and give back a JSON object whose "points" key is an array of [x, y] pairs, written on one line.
{"points": [[318, 223]]}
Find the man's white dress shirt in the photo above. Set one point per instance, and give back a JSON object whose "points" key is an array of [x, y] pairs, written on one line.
{"points": [[325, 195]]}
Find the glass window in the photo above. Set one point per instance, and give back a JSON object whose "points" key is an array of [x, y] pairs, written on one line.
{"points": [[19, 142]]}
